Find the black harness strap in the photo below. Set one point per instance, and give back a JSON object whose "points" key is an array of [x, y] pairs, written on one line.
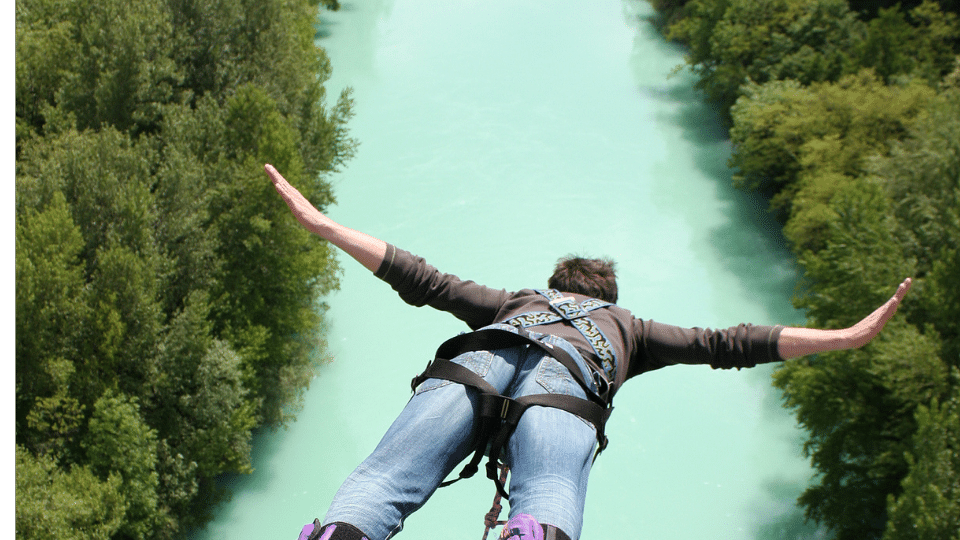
{"points": [[491, 408], [489, 339], [499, 415], [587, 410]]}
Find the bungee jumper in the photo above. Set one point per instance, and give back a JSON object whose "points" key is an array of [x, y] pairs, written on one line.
{"points": [[531, 385]]}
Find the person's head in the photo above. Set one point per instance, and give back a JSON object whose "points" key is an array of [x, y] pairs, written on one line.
{"points": [[596, 278]]}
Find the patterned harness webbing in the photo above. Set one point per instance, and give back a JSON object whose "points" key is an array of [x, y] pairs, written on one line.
{"points": [[566, 308]]}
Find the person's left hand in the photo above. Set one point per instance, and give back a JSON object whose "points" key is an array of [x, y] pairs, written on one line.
{"points": [[868, 328]]}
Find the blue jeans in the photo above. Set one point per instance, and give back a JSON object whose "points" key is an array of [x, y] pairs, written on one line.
{"points": [[549, 454]]}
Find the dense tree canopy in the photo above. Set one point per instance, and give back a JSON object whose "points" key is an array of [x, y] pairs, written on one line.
{"points": [[848, 116], [734, 43], [165, 304]]}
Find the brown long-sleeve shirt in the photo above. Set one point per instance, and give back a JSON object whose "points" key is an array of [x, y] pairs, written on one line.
{"points": [[640, 345]]}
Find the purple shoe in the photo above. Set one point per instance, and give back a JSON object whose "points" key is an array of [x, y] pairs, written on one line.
{"points": [[307, 532], [314, 531], [522, 527]]}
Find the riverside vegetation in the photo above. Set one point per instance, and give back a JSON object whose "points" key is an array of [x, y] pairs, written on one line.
{"points": [[166, 306], [847, 116]]}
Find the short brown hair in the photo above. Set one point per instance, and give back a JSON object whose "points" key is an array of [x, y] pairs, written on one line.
{"points": [[596, 278]]}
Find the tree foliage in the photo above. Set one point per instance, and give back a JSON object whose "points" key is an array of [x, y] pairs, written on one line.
{"points": [[920, 42], [65, 502], [871, 240], [929, 507], [119, 443], [166, 305], [734, 43], [786, 134], [848, 118]]}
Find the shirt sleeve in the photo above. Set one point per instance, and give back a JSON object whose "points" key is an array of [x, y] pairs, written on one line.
{"points": [[420, 284], [744, 345]]}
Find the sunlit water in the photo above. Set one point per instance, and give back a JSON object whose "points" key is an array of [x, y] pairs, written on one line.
{"points": [[495, 137]]}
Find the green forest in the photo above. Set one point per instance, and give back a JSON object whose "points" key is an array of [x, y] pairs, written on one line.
{"points": [[167, 307], [846, 114]]}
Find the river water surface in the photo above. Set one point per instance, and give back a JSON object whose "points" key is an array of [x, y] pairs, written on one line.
{"points": [[495, 137]]}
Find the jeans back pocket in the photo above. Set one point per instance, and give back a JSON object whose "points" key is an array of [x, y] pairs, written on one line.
{"points": [[476, 361]]}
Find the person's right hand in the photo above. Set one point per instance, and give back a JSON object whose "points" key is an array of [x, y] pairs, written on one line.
{"points": [[367, 250], [305, 212]]}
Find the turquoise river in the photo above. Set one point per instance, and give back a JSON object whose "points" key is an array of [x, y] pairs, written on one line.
{"points": [[496, 136]]}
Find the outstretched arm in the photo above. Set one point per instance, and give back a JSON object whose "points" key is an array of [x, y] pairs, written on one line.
{"points": [[367, 250], [795, 342]]}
